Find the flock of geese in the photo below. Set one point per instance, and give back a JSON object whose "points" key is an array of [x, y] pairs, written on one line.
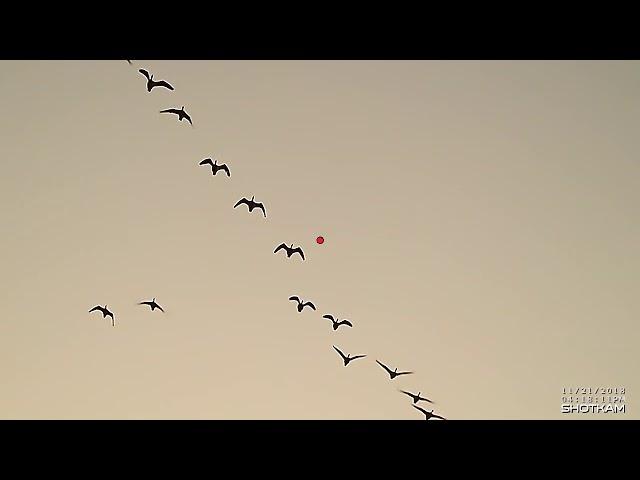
{"points": [[290, 250]]}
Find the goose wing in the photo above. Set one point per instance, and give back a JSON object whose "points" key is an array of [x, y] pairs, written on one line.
{"points": [[408, 393], [384, 366], [421, 409], [241, 201], [163, 83], [340, 352]]}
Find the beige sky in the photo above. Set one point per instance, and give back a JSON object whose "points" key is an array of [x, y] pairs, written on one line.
{"points": [[481, 226]]}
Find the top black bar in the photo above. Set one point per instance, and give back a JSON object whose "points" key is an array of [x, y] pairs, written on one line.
{"points": [[305, 52], [400, 42]]}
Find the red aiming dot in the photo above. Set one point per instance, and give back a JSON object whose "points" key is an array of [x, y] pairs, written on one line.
{"points": [[320, 240]]}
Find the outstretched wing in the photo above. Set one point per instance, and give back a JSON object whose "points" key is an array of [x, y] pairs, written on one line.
{"points": [[97, 308], [206, 161], [421, 409], [357, 356], [241, 201], [294, 298], [346, 322], [438, 416], [298, 250], [403, 373], [309, 304], [408, 393], [226, 169], [330, 317], [425, 399], [280, 247], [145, 73], [186, 115], [385, 367], [159, 308], [171, 110], [261, 207], [145, 303], [341, 354], [164, 84]]}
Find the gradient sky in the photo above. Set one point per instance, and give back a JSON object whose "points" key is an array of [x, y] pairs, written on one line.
{"points": [[480, 218]]}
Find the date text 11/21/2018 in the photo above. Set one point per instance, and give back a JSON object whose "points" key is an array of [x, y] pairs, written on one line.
{"points": [[593, 391]]}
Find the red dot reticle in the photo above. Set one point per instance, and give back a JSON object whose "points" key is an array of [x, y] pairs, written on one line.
{"points": [[320, 240]]}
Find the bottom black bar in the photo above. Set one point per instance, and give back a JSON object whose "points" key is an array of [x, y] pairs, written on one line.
{"points": [[401, 434]]}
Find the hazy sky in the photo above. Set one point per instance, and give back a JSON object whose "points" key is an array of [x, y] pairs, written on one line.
{"points": [[481, 225]]}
